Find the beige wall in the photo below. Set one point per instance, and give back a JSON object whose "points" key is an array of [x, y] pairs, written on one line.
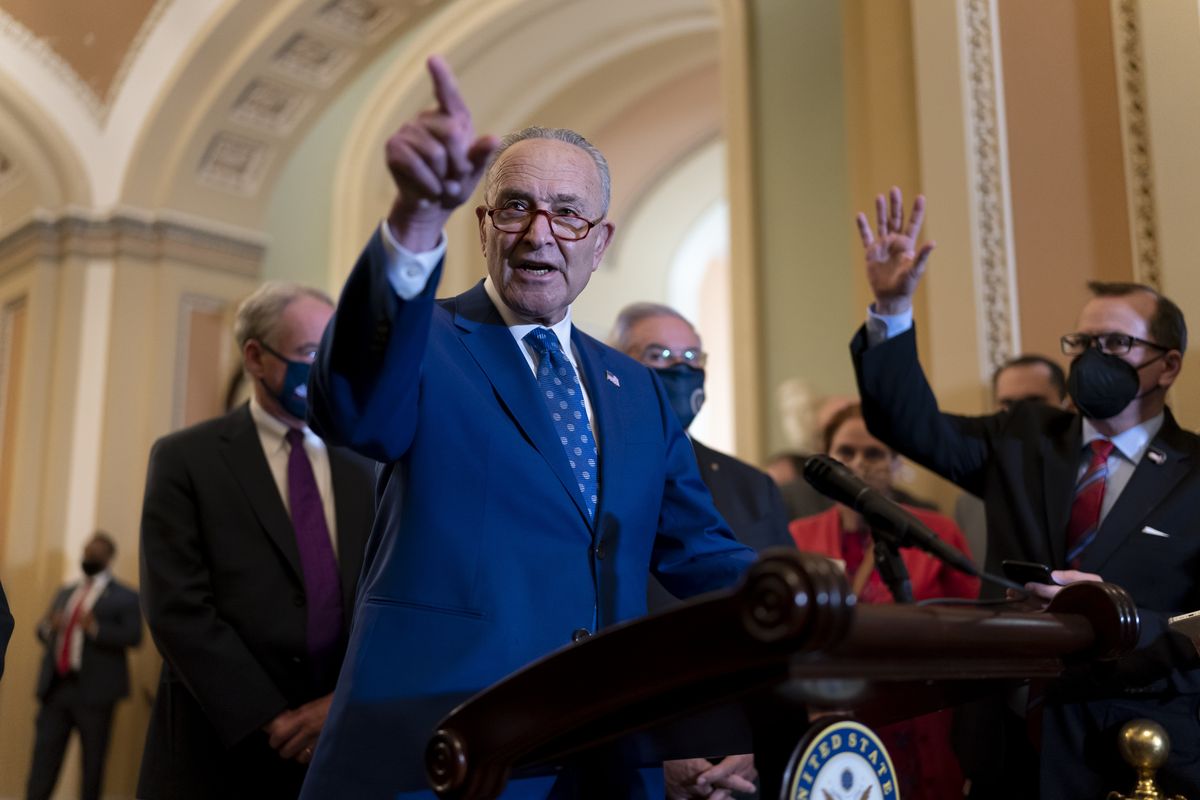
{"points": [[799, 199], [1068, 182], [119, 364]]}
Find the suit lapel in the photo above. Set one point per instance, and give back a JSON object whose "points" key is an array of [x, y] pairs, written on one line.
{"points": [[1058, 477], [244, 455], [487, 338], [606, 416], [1149, 484]]}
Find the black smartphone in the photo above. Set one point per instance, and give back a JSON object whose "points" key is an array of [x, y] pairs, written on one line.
{"points": [[1024, 572]]}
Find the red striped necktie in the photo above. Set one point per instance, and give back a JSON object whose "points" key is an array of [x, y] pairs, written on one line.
{"points": [[1089, 497], [64, 653]]}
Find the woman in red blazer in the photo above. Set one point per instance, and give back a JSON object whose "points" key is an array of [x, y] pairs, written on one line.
{"points": [[920, 748]]}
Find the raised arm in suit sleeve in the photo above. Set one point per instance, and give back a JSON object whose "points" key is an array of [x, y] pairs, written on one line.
{"points": [[177, 597], [125, 629], [365, 383], [900, 409]]}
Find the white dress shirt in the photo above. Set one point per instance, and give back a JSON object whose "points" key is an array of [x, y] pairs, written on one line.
{"points": [[271, 434], [87, 594]]}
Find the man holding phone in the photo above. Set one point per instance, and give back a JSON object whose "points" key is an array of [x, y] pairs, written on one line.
{"points": [[1108, 493]]}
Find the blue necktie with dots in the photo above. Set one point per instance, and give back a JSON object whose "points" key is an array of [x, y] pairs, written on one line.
{"points": [[563, 394]]}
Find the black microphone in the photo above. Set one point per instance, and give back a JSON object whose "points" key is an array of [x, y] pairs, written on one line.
{"points": [[833, 479]]}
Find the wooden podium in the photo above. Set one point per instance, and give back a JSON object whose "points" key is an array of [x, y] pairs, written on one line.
{"points": [[739, 671]]}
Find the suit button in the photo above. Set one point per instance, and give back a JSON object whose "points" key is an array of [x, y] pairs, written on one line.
{"points": [[580, 634], [296, 660], [601, 552], [298, 601]]}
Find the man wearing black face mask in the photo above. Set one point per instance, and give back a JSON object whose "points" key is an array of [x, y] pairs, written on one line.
{"points": [[1110, 493], [86, 631], [253, 533], [662, 339]]}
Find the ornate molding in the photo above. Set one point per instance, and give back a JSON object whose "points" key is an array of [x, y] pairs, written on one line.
{"points": [[1139, 174], [14, 31], [135, 48], [988, 160], [318, 52], [97, 106], [234, 163], [125, 236]]}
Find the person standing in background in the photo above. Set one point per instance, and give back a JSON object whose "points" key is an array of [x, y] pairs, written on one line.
{"points": [[253, 534], [90, 625], [921, 750], [666, 342]]}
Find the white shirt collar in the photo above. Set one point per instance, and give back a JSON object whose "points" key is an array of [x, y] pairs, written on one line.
{"points": [[519, 328], [99, 580], [271, 426], [1131, 443]]}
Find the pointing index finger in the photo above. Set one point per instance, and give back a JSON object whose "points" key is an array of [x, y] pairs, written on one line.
{"points": [[445, 87]]}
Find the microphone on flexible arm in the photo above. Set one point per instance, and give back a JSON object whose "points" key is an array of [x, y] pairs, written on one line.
{"points": [[834, 480]]}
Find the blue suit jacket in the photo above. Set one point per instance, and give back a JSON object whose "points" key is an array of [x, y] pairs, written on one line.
{"points": [[482, 558]]}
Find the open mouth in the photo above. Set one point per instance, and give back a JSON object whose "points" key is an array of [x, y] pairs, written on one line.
{"points": [[537, 270]]}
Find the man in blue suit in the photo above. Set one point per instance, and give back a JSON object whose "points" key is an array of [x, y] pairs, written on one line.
{"points": [[532, 477]]}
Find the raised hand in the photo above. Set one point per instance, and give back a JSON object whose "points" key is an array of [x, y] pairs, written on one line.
{"points": [[435, 161], [894, 266]]}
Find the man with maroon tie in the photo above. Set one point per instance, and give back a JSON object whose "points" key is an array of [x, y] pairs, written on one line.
{"points": [[86, 631], [1110, 492], [253, 533]]}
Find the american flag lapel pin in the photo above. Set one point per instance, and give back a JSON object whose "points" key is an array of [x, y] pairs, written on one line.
{"points": [[1157, 456], [613, 379]]}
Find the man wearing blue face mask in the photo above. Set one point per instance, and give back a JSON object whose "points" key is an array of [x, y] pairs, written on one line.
{"points": [[1109, 493], [253, 533], [662, 339]]}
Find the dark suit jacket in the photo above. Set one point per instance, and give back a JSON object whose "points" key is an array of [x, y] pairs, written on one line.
{"points": [[223, 592], [1024, 464], [748, 500], [104, 668], [6, 628], [483, 556]]}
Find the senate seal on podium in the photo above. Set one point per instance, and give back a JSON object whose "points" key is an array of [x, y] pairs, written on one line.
{"points": [[841, 760]]}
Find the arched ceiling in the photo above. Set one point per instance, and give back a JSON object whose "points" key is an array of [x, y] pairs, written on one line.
{"points": [[193, 107], [639, 80]]}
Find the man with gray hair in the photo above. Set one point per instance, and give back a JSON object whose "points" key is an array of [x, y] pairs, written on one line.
{"points": [[253, 532], [532, 478], [666, 342]]}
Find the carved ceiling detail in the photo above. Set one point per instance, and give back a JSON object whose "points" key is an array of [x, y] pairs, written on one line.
{"points": [[314, 56]]}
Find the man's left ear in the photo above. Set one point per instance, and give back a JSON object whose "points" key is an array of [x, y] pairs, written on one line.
{"points": [[603, 233], [252, 354], [1172, 363]]}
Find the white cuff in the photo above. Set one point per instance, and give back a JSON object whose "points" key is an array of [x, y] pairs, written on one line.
{"points": [[409, 272], [881, 327]]}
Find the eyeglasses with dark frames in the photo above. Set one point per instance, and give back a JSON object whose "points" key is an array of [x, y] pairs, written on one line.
{"points": [[568, 227], [1113, 344]]}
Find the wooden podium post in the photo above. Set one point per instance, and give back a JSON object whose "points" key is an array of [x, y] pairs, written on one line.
{"points": [[740, 670]]}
